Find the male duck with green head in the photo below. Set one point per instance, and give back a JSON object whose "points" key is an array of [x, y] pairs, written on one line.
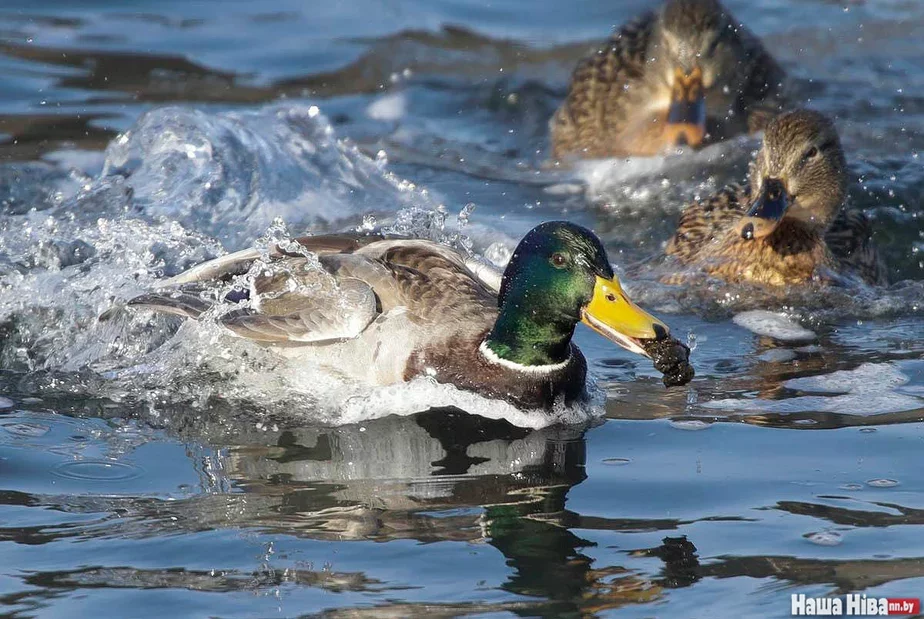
{"points": [[385, 310]]}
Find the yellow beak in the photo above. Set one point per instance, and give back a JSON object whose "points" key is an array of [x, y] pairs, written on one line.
{"points": [[611, 314]]}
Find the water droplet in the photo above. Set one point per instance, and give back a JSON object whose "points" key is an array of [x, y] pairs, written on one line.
{"points": [[824, 538], [616, 461], [690, 424], [465, 214], [882, 483], [98, 470]]}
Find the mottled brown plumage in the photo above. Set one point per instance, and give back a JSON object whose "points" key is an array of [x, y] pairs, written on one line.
{"points": [[618, 98], [816, 237]]}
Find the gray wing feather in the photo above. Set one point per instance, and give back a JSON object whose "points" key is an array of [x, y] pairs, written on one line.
{"points": [[174, 302], [232, 264], [362, 277], [318, 320]]}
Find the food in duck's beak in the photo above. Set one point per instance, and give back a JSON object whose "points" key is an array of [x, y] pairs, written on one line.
{"points": [[611, 314], [671, 357]]}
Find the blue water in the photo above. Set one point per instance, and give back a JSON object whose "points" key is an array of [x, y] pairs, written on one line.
{"points": [[149, 469]]}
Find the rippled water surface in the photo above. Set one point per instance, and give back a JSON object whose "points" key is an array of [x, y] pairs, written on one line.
{"points": [[151, 469]]}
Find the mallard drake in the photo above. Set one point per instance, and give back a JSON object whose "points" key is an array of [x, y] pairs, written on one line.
{"points": [[790, 224], [688, 73], [385, 310]]}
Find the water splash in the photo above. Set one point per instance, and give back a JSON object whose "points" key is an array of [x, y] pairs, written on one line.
{"points": [[181, 187]]}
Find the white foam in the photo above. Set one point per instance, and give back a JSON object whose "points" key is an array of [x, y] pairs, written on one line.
{"points": [[773, 324], [391, 107], [609, 180], [870, 389]]}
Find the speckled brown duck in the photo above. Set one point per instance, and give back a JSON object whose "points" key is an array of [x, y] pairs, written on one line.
{"points": [[688, 73], [386, 310], [790, 225]]}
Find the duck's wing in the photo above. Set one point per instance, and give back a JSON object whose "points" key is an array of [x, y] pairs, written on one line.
{"points": [[294, 302], [436, 283], [360, 277], [432, 282], [597, 92], [850, 240], [239, 262], [704, 221]]}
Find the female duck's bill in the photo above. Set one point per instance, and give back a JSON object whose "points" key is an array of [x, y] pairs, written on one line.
{"points": [[766, 212], [686, 115]]}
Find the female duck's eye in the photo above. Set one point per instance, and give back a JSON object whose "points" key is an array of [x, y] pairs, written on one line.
{"points": [[812, 152], [558, 260]]}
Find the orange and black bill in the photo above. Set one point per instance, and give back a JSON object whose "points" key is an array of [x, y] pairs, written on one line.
{"points": [[766, 212], [686, 116]]}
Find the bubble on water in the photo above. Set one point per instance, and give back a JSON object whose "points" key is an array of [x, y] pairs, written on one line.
{"points": [[25, 428], [616, 461], [690, 424], [882, 483], [868, 430], [824, 538], [98, 470], [852, 487]]}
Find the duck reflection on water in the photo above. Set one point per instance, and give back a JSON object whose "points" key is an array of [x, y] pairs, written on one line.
{"points": [[443, 475]]}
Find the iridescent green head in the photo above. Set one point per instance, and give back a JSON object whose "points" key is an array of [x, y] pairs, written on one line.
{"points": [[558, 276]]}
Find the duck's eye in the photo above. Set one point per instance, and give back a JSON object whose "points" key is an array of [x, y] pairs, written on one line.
{"points": [[611, 297], [811, 153], [558, 260]]}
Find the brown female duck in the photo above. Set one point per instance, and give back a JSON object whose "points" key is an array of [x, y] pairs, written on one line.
{"points": [[790, 225], [688, 73]]}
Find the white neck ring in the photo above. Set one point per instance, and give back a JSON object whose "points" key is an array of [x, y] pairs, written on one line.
{"points": [[493, 357]]}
